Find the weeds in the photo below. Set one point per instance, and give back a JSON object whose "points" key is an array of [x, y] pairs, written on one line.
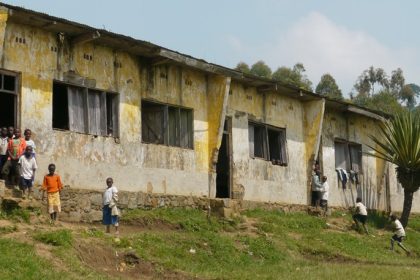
{"points": [[56, 238], [8, 229]]}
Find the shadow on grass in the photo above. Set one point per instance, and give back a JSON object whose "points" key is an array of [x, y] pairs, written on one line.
{"points": [[378, 219]]}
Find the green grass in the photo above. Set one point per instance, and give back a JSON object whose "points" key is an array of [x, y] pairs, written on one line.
{"points": [[19, 261], [61, 237], [260, 245], [285, 245], [16, 214]]}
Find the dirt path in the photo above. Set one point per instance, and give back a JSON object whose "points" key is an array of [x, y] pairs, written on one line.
{"points": [[94, 253]]}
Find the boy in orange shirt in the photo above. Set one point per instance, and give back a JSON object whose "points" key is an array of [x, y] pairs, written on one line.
{"points": [[52, 184]]}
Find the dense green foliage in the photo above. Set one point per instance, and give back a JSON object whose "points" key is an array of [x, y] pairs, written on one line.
{"points": [[294, 76], [399, 143], [328, 87]]}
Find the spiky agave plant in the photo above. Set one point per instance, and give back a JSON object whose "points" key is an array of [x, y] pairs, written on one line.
{"points": [[399, 143]]}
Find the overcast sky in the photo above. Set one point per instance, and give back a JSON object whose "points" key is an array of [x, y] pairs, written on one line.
{"points": [[342, 38]]}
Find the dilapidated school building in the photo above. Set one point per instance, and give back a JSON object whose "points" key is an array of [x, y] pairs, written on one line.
{"points": [[103, 105]]}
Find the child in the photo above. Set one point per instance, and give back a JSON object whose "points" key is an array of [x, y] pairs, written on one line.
{"points": [[4, 139], [29, 141], [28, 167], [316, 187], [399, 234], [110, 210], [360, 214], [15, 148], [324, 193], [52, 184]]}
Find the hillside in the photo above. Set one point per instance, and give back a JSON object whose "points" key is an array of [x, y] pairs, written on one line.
{"points": [[185, 244]]}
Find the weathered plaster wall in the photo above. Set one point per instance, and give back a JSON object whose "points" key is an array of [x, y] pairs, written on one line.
{"points": [[84, 161], [356, 129], [263, 181], [397, 194]]}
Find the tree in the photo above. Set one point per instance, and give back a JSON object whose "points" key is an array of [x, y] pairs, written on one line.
{"points": [[295, 76], [382, 101], [393, 95], [261, 69], [328, 87], [399, 143], [365, 84], [243, 67]]}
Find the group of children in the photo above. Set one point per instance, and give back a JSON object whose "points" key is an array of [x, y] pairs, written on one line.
{"points": [[361, 215], [320, 189], [18, 165], [320, 193]]}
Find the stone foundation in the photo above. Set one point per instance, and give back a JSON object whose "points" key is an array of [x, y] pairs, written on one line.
{"points": [[79, 205]]}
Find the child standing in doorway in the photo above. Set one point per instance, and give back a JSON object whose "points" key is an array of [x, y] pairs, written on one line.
{"points": [[52, 185]]}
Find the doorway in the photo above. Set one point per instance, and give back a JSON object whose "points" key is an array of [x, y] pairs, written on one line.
{"points": [[8, 99], [223, 166]]}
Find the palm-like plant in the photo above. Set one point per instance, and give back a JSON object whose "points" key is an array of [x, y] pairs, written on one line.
{"points": [[399, 143]]}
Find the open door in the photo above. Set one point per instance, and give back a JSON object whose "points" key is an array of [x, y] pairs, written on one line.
{"points": [[8, 99], [223, 166]]}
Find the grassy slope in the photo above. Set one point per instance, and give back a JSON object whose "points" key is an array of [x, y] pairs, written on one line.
{"points": [[263, 245], [290, 246]]}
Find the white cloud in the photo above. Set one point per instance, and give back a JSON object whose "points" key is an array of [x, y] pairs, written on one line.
{"points": [[325, 47]]}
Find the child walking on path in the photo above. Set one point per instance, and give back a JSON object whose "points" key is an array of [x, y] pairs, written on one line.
{"points": [[110, 210], [28, 166], [360, 214], [52, 185], [399, 234]]}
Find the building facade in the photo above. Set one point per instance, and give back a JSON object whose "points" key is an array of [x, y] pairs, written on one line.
{"points": [[102, 105]]}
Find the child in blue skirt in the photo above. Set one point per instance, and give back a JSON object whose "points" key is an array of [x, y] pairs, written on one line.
{"points": [[110, 211]]}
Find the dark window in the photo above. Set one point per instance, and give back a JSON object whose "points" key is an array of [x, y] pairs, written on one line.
{"points": [[85, 110], [166, 124], [348, 155], [8, 99], [268, 143]]}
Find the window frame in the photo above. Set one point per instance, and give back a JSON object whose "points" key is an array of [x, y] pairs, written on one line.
{"points": [[165, 131], [115, 110], [283, 154], [349, 161]]}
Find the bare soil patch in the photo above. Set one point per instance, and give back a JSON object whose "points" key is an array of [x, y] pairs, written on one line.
{"points": [[123, 264]]}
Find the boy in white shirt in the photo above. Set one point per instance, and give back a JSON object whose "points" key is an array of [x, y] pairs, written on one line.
{"points": [[28, 166], [360, 214], [324, 193], [29, 141], [399, 234]]}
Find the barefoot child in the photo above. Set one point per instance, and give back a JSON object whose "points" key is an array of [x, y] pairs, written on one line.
{"points": [[52, 184], [110, 210], [399, 234], [28, 166], [361, 214]]}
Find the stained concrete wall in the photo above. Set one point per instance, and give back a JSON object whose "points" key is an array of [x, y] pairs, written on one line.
{"points": [[261, 180], [397, 194], [353, 128], [86, 160]]}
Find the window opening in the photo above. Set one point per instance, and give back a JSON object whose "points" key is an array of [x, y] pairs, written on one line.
{"points": [[166, 124], [85, 110], [268, 143]]}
